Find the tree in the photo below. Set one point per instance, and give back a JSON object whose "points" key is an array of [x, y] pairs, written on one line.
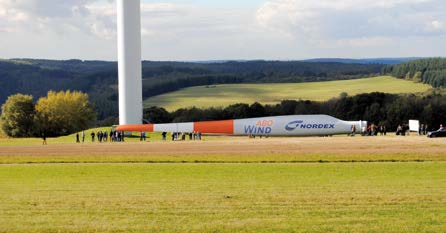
{"points": [[287, 107], [431, 71], [236, 111], [65, 112], [156, 115], [18, 115], [256, 110]]}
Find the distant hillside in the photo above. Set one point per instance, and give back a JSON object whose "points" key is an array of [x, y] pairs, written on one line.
{"points": [[386, 61], [431, 71], [165, 77], [73, 65], [24, 78], [37, 77], [99, 78], [227, 94]]}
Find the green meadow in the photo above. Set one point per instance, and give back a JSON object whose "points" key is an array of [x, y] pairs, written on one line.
{"points": [[70, 139], [271, 93], [315, 197]]}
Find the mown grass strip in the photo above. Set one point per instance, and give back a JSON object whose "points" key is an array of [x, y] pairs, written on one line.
{"points": [[315, 197], [268, 158]]}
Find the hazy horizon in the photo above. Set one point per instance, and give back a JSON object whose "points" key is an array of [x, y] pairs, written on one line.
{"points": [[224, 60]]}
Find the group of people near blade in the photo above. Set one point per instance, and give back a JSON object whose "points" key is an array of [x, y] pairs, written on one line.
{"points": [[423, 129], [371, 130], [177, 136], [118, 136], [403, 129], [114, 136]]}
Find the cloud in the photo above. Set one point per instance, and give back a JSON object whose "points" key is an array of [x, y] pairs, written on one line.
{"points": [[47, 8], [275, 29], [167, 28], [99, 18], [353, 20], [364, 41], [44, 9], [437, 25], [41, 16]]}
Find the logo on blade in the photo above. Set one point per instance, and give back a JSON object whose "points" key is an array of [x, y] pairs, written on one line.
{"points": [[293, 125], [301, 125]]}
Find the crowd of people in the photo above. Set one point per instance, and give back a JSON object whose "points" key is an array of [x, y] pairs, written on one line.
{"points": [[370, 130], [119, 136], [102, 136], [401, 130], [374, 130], [178, 136]]}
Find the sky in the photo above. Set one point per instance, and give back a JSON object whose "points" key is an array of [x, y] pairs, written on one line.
{"points": [[200, 30]]}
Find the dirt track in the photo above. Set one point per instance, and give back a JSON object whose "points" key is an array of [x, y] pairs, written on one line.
{"points": [[313, 145]]}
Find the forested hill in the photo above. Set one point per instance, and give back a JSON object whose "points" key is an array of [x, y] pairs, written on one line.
{"points": [[18, 77], [99, 78], [387, 61], [73, 65], [163, 77], [37, 77], [431, 71]]}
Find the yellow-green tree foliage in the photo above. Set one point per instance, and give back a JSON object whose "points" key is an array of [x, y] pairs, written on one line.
{"points": [[18, 116], [64, 112]]}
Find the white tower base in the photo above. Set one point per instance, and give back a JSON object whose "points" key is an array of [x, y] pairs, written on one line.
{"points": [[129, 62]]}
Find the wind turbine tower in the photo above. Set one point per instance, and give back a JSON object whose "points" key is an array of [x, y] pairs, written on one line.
{"points": [[129, 62]]}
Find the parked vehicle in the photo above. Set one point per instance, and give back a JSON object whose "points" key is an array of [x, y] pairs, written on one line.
{"points": [[438, 133]]}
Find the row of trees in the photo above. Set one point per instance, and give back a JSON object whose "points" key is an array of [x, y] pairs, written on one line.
{"points": [[62, 113], [377, 108], [59, 113], [431, 71]]}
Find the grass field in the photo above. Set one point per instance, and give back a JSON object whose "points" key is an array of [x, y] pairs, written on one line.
{"points": [[224, 95], [230, 184], [361, 197]]}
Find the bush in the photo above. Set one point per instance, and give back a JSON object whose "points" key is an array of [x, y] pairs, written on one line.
{"points": [[17, 117], [65, 112]]}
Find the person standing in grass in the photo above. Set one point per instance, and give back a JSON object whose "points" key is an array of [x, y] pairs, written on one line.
{"points": [[92, 136], [353, 130], [77, 138], [43, 138], [83, 136]]}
